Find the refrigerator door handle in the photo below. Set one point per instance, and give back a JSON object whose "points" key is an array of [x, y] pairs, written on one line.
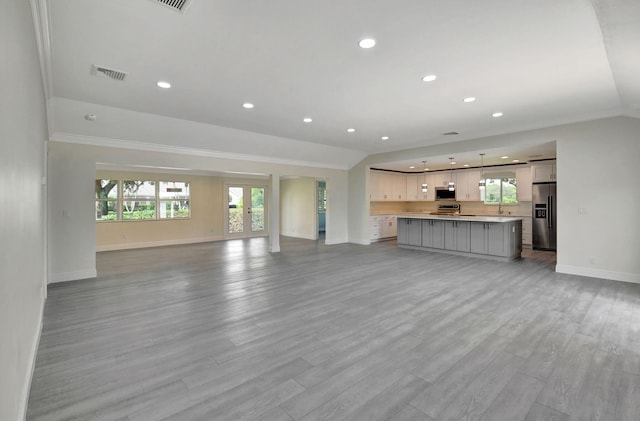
{"points": [[550, 211]]}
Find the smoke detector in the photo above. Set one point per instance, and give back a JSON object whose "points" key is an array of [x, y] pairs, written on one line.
{"points": [[108, 73]]}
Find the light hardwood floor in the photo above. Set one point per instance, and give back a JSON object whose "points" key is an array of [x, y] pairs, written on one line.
{"points": [[228, 331]]}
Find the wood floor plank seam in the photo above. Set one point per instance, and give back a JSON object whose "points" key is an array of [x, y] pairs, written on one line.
{"points": [[227, 330]]}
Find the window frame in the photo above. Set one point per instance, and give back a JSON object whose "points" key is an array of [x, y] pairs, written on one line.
{"points": [[160, 200], [120, 199], [108, 199], [501, 181]]}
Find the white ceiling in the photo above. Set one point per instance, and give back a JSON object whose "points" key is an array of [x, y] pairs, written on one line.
{"points": [[541, 63]]}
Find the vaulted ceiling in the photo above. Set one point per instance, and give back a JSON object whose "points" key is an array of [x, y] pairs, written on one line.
{"points": [[539, 63]]}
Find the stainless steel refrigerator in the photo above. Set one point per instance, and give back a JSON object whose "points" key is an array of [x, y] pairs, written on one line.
{"points": [[544, 216]]}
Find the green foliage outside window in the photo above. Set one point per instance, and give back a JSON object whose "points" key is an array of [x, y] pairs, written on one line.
{"points": [[500, 190], [141, 200]]}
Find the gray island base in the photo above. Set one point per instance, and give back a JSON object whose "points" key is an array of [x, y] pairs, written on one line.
{"points": [[495, 238]]}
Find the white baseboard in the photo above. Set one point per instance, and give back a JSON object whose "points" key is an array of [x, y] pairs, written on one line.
{"points": [[302, 236], [363, 242], [331, 240], [599, 273], [32, 364], [72, 276], [161, 243]]}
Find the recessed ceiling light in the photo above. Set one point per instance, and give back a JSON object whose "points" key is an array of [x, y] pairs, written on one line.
{"points": [[367, 43], [429, 78], [465, 165], [453, 162], [504, 157], [307, 120], [247, 105], [469, 99], [164, 85], [516, 160], [498, 114], [412, 167], [351, 130], [385, 138]]}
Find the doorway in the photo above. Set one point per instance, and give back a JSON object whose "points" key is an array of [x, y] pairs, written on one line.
{"points": [[246, 212], [321, 199]]}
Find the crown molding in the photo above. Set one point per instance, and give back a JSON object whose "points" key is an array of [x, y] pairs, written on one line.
{"points": [[155, 147], [40, 14]]}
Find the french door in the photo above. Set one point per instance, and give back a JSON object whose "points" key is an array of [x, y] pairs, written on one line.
{"points": [[246, 212]]}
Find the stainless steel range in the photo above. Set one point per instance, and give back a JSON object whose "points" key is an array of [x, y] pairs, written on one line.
{"points": [[449, 209]]}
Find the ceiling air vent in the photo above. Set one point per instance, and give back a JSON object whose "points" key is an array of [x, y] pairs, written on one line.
{"points": [[108, 73], [450, 133], [177, 5]]}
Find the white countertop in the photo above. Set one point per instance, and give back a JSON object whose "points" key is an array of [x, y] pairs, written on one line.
{"points": [[476, 218]]}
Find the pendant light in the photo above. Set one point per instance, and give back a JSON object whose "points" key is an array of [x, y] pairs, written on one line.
{"points": [[481, 183], [452, 185], [424, 185]]}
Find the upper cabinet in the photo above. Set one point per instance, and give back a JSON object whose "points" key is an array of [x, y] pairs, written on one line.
{"points": [[523, 181], [396, 187], [442, 178], [373, 185], [399, 187], [386, 186], [543, 171], [467, 189], [414, 187]]}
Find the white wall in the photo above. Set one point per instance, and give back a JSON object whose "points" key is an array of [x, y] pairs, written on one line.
{"points": [[205, 224], [22, 263], [298, 208], [597, 171], [73, 170], [359, 204]]}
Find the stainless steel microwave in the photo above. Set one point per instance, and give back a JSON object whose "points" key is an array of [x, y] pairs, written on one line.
{"points": [[443, 193]]}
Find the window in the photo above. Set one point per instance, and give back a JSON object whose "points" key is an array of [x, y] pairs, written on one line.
{"points": [[174, 200], [106, 200], [138, 200], [500, 190], [142, 200]]}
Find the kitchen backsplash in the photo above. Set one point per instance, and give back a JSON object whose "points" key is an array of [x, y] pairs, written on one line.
{"points": [[473, 208]]}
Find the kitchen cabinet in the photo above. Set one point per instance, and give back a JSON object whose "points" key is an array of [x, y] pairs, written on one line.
{"points": [[413, 190], [389, 226], [523, 183], [495, 239], [526, 231], [543, 171], [467, 186], [433, 233], [385, 186], [410, 231], [374, 181], [414, 187], [456, 235], [399, 187], [375, 228], [382, 227], [442, 178]]}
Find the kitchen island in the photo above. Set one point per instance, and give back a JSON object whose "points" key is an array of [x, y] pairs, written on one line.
{"points": [[489, 237]]}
